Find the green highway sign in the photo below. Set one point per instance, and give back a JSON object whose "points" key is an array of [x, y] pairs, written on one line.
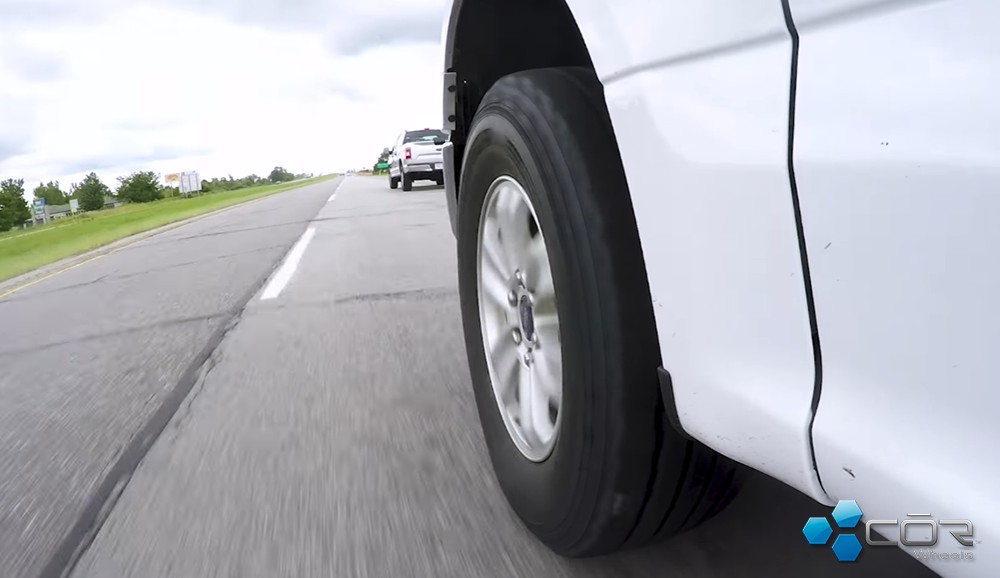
{"points": [[381, 166]]}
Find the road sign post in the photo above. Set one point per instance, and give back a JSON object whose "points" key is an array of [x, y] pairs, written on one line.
{"points": [[39, 206], [188, 182]]}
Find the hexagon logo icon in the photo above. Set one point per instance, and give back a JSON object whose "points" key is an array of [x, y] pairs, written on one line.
{"points": [[847, 547], [847, 514], [817, 531]]}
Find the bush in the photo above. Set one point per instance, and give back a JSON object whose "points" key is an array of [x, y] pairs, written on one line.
{"points": [[91, 193], [140, 187], [280, 175]]}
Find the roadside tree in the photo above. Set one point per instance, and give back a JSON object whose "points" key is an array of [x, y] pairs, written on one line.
{"points": [[91, 193], [140, 187], [280, 175], [51, 192], [13, 207]]}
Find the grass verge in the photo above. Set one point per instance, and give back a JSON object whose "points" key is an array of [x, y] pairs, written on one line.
{"points": [[24, 250]]}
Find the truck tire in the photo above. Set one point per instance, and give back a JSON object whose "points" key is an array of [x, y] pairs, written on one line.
{"points": [[393, 182], [407, 180], [614, 474]]}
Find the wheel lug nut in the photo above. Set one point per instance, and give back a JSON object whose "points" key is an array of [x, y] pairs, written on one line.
{"points": [[520, 277], [516, 334], [527, 359], [512, 298]]}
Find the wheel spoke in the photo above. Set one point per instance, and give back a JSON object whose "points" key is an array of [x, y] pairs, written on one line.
{"points": [[542, 425], [514, 216], [536, 265], [524, 401], [548, 374], [547, 330], [506, 366], [495, 284], [493, 250]]}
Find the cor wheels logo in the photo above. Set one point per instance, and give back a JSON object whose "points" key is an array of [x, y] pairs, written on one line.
{"points": [[847, 547]]}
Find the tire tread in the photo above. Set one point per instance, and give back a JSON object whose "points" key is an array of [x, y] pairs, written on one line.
{"points": [[676, 483]]}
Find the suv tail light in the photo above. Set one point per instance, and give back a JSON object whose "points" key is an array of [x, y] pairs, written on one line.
{"points": [[407, 153]]}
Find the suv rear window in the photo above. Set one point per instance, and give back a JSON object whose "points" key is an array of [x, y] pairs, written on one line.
{"points": [[423, 135]]}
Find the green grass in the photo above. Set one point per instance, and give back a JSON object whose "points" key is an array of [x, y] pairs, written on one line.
{"points": [[22, 250]]}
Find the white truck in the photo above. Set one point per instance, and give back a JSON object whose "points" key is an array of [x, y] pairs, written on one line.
{"points": [[416, 156], [701, 238]]}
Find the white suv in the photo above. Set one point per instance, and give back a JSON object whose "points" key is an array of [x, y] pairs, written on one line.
{"points": [[700, 238], [415, 156]]}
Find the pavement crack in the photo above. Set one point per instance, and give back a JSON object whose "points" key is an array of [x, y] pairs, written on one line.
{"points": [[113, 277], [50, 291], [102, 502], [235, 231], [432, 294], [109, 334], [416, 294]]}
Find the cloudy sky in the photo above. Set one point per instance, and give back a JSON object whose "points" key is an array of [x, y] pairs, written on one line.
{"points": [[219, 86]]}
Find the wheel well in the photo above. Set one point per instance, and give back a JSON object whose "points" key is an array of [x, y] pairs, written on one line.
{"points": [[493, 38]]}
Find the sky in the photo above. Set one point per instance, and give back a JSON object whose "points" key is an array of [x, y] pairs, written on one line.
{"points": [[215, 86]]}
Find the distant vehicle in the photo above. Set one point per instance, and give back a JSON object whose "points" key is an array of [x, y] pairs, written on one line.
{"points": [[686, 246], [416, 156]]}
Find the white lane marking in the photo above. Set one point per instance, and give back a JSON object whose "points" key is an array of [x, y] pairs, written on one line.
{"points": [[287, 269], [334, 195]]}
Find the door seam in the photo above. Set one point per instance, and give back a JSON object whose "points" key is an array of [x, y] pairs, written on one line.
{"points": [[800, 233]]}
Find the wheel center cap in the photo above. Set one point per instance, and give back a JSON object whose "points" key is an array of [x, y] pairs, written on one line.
{"points": [[527, 315]]}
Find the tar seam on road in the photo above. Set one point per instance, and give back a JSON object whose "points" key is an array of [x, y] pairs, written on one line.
{"points": [[800, 233], [102, 502], [287, 269]]}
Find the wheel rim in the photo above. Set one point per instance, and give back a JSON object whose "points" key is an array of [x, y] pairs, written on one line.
{"points": [[519, 319]]}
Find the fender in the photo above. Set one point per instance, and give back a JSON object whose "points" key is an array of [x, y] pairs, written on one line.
{"points": [[709, 180]]}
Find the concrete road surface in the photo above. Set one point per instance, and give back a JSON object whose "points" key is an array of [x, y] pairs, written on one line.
{"points": [[325, 429]]}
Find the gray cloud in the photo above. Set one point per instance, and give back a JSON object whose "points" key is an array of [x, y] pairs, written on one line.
{"points": [[321, 86], [350, 27], [389, 30], [18, 14], [346, 27], [145, 124], [17, 122], [32, 64], [11, 147], [128, 160]]}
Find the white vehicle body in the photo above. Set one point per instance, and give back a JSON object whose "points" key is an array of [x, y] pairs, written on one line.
{"points": [[819, 221], [416, 158]]}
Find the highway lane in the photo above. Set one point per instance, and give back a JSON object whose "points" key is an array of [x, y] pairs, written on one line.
{"points": [[334, 433], [93, 359]]}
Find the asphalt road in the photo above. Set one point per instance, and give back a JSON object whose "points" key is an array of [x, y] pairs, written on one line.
{"points": [[327, 431]]}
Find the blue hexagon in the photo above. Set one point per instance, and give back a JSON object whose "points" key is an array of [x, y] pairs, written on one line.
{"points": [[847, 547], [847, 513], [817, 531]]}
